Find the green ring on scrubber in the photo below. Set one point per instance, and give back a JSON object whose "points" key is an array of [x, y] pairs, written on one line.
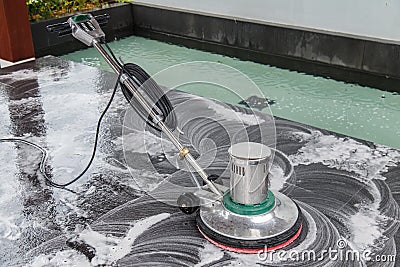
{"points": [[255, 209]]}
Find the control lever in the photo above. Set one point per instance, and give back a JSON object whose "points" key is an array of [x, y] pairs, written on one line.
{"points": [[64, 28]]}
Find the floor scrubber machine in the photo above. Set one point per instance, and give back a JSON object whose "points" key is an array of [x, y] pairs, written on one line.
{"points": [[245, 217]]}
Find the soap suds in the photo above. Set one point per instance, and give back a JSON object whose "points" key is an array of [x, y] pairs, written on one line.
{"points": [[347, 154], [209, 254], [108, 249], [277, 178], [229, 114], [301, 136], [365, 228], [367, 224], [66, 258], [144, 142], [24, 74], [8, 229], [352, 156]]}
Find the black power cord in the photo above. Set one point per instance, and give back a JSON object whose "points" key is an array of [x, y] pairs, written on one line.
{"points": [[42, 164], [147, 85]]}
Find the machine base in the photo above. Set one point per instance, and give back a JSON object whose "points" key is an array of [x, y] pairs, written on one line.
{"points": [[254, 250], [274, 230]]}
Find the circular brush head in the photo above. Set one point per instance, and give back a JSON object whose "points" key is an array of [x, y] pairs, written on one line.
{"points": [[251, 233]]}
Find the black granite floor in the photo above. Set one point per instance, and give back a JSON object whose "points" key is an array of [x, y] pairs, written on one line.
{"points": [[119, 213]]}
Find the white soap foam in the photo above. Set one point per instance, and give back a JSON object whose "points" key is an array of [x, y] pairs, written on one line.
{"points": [[245, 260], [69, 141], [144, 142], [347, 154], [301, 136], [108, 249], [9, 229], [277, 178], [143, 180], [66, 258], [43, 75], [209, 254], [350, 155], [229, 114], [10, 205], [12, 221], [366, 229], [23, 74], [367, 224], [91, 190]]}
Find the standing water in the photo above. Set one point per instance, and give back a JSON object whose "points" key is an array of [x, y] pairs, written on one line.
{"points": [[349, 109]]}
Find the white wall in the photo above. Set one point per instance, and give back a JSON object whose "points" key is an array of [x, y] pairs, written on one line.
{"points": [[373, 18]]}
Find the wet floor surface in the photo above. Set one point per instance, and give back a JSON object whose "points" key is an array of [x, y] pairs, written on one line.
{"points": [[347, 188]]}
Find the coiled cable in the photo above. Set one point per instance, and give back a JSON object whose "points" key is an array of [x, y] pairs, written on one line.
{"points": [[146, 85]]}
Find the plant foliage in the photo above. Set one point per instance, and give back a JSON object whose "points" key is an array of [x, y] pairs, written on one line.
{"points": [[44, 9]]}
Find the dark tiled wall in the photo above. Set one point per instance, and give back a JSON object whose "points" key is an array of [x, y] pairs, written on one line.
{"points": [[347, 58]]}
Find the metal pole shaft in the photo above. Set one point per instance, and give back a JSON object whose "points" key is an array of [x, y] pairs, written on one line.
{"points": [[132, 86]]}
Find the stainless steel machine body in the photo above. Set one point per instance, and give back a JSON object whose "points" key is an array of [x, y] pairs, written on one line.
{"points": [[249, 163]]}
